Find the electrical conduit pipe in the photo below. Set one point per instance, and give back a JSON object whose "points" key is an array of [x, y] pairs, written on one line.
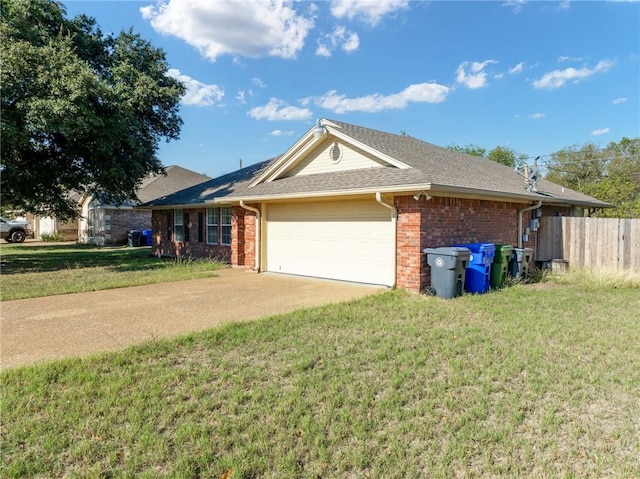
{"points": [[257, 240], [520, 213]]}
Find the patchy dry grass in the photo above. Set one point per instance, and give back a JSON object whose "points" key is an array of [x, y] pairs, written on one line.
{"points": [[598, 278], [515, 383], [32, 271]]}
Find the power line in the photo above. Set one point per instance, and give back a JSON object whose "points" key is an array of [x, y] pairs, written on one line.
{"points": [[585, 160], [574, 153]]}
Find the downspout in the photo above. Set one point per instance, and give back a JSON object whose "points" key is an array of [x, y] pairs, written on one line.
{"points": [[257, 241], [394, 221], [520, 213]]}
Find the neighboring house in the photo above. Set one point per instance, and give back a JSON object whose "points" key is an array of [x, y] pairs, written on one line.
{"points": [[51, 226], [103, 223], [356, 204]]}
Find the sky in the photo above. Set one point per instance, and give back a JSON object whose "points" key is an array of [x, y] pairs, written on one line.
{"points": [[533, 76]]}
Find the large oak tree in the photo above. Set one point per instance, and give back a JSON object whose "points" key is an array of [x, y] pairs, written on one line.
{"points": [[81, 110]]}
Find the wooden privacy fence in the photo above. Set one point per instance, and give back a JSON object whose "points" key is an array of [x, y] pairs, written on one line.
{"points": [[591, 242]]}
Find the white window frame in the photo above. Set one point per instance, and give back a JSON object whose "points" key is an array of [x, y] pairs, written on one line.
{"points": [[215, 214], [178, 224], [225, 225]]}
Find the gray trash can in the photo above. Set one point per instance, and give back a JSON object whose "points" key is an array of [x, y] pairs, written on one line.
{"points": [[133, 238], [519, 264], [448, 265]]}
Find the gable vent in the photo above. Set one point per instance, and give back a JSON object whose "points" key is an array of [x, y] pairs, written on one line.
{"points": [[335, 153]]}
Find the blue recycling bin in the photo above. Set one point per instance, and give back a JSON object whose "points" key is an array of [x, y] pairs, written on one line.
{"points": [[147, 238], [478, 275]]}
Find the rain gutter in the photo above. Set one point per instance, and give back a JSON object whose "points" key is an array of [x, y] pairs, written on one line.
{"points": [[394, 221]]}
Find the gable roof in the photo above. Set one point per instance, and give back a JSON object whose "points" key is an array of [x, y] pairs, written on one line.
{"points": [[175, 179], [415, 166], [155, 186]]}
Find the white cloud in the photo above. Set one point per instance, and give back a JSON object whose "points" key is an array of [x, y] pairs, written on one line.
{"points": [[601, 131], [282, 133], [242, 95], [198, 93], [259, 83], [417, 93], [563, 59], [617, 101], [517, 5], [323, 51], [234, 27], [477, 77], [537, 116], [371, 10], [279, 110], [340, 36], [558, 78], [351, 43], [517, 69]]}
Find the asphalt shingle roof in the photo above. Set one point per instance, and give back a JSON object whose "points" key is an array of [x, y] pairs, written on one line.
{"points": [[176, 179], [429, 164]]}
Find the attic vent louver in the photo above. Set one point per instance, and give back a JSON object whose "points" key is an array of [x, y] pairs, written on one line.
{"points": [[335, 153]]}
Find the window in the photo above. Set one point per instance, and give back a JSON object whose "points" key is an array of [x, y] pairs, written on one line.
{"points": [[226, 225], [185, 226], [177, 225], [200, 228], [212, 225], [219, 226]]}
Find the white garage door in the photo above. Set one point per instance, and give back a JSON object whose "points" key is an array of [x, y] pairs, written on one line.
{"points": [[349, 240], [47, 225]]}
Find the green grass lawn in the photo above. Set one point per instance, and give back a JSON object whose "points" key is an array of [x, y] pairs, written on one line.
{"points": [[31, 271], [531, 381]]}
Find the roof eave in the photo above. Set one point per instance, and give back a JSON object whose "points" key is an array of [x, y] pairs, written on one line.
{"points": [[447, 190]]}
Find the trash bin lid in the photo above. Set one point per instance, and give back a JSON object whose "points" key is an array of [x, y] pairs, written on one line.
{"points": [[503, 252], [448, 251]]}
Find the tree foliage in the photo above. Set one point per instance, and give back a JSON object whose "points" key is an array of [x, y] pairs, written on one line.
{"points": [[611, 174], [81, 110], [499, 154]]}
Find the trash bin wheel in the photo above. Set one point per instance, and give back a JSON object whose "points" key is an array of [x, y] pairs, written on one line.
{"points": [[430, 291]]}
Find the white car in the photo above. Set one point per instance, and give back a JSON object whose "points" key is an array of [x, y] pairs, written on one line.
{"points": [[14, 231]]}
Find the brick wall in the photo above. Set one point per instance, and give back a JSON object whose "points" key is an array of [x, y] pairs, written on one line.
{"points": [[164, 246], [117, 222], [421, 224], [241, 251], [248, 236], [447, 221]]}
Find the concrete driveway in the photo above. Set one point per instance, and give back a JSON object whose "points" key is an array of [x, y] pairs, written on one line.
{"points": [[80, 324]]}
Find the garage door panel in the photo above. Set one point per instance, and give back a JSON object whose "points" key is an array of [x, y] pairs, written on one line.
{"points": [[351, 241]]}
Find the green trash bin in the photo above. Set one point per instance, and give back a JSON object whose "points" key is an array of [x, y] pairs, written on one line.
{"points": [[500, 268]]}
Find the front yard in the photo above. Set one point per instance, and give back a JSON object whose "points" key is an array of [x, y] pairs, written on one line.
{"points": [[532, 381], [31, 271]]}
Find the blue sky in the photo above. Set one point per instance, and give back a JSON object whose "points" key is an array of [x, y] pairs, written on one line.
{"points": [[529, 75]]}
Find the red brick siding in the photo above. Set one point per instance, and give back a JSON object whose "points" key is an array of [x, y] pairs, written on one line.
{"points": [[421, 224], [556, 211], [447, 221], [249, 237], [120, 221], [193, 248], [241, 251]]}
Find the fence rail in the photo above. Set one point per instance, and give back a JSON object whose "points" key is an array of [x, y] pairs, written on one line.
{"points": [[591, 242]]}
